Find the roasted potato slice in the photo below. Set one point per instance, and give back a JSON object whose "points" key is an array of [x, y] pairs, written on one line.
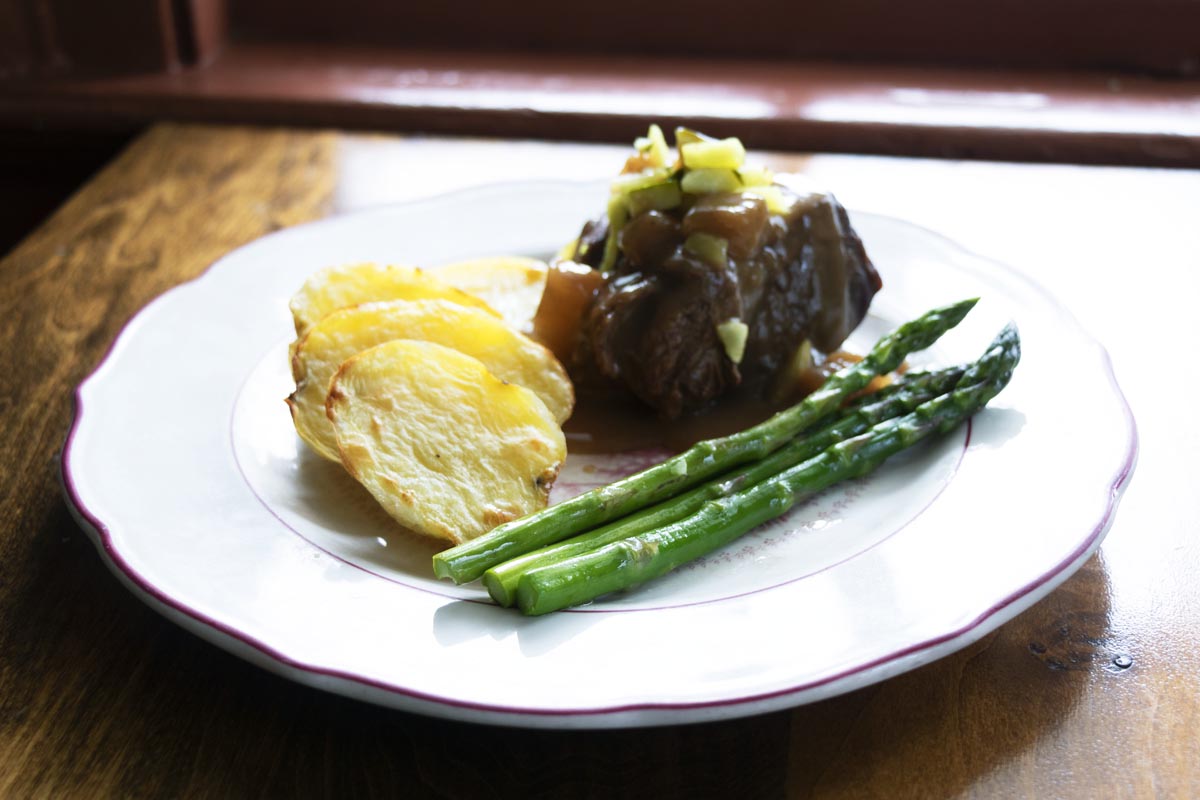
{"points": [[510, 284], [340, 287], [509, 355], [446, 447]]}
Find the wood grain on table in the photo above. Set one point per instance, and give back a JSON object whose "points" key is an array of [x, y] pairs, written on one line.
{"points": [[1094, 692]]}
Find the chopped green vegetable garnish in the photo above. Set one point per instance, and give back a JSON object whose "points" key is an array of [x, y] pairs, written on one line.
{"points": [[712, 249], [688, 136], [618, 215], [654, 181], [733, 333], [654, 146], [709, 181], [660, 197], [756, 176], [778, 200], [721, 154], [632, 181]]}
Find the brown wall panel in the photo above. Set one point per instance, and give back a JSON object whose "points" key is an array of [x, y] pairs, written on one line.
{"points": [[114, 36], [17, 53], [1161, 36], [43, 38]]}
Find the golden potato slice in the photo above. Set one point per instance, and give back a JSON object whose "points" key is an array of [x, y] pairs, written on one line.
{"points": [[510, 284], [507, 354], [339, 287], [447, 448]]}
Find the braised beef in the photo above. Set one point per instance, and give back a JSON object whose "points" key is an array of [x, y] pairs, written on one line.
{"points": [[652, 326]]}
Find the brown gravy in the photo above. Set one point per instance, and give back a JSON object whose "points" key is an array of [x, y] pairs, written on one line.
{"points": [[604, 424], [615, 426]]}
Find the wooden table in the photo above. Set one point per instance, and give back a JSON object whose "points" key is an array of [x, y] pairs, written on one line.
{"points": [[99, 696]]}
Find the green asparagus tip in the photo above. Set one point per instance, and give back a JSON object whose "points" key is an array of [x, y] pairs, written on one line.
{"points": [[953, 313], [959, 310]]}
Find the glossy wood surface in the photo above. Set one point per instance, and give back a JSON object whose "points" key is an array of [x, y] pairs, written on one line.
{"points": [[1094, 692]]}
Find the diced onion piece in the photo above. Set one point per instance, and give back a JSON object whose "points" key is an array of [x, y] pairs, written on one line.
{"points": [[733, 333], [756, 176], [710, 181], [721, 154], [660, 197], [631, 182], [778, 199], [653, 146], [712, 249], [688, 136]]}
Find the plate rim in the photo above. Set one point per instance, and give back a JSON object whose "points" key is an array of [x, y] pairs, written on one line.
{"points": [[371, 689]]}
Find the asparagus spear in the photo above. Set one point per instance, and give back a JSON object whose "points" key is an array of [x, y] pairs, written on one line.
{"points": [[900, 398], [469, 560], [632, 561], [1001, 356]]}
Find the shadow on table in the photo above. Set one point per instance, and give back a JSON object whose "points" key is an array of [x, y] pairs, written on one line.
{"points": [[938, 730]]}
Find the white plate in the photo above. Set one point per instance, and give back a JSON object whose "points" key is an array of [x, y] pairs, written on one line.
{"points": [[183, 466]]}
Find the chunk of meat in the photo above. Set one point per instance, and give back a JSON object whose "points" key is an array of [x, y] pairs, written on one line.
{"points": [[653, 326]]}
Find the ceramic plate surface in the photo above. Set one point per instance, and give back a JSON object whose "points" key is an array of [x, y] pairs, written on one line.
{"points": [[183, 466]]}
